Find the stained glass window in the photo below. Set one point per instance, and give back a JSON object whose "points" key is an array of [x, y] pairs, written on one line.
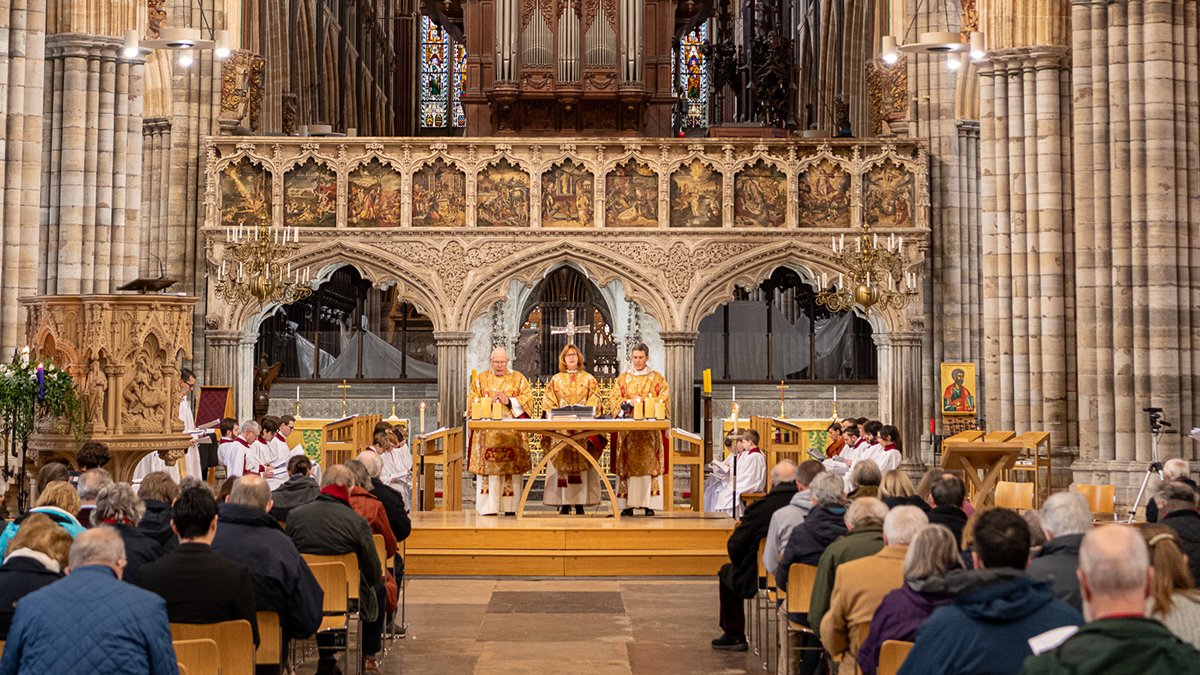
{"points": [[692, 74], [443, 77]]}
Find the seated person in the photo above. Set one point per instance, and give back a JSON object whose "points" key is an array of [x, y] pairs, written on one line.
{"points": [[199, 585], [746, 465], [60, 502], [864, 480], [946, 497], [897, 490], [158, 492], [300, 488], [38, 558], [118, 506]]}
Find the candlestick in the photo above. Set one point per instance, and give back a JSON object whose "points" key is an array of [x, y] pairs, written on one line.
{"points": [[41, 382], [708, 381]]}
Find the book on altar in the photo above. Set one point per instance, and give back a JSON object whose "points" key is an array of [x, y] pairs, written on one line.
{"points": [[578, 412]]}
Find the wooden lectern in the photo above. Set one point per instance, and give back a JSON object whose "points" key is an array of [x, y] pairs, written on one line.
{"points": [[343, 439], [990, 458]]}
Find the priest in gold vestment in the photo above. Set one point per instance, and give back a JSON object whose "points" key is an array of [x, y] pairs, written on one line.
{"points": [[638, 458], [570, 479], [499, 459]]}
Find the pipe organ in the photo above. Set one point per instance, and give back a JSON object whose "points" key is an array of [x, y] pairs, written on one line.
{"points": [[568, 67]]}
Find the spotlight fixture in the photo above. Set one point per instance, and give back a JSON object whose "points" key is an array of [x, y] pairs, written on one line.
{"points": [[186, 59], [953, 63], [221, 50], [131, 49], [888, 52], [977, 46]]}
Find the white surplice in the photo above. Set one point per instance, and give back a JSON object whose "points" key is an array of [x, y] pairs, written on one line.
{"points": [[191, 461], [397, 471], [751, 472]]}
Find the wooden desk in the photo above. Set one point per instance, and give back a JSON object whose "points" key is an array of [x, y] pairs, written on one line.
{"points": [[574, 434], [981, 456], [443, 447]]}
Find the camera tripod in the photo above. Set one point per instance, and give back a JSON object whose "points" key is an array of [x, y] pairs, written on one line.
{"points": [[1158, 427]]}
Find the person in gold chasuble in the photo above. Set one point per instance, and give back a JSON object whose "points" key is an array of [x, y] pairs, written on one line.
{"points": [[570, 480], [499, 459], [638, 457]]}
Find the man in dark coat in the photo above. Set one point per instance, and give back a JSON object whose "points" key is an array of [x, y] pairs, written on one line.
{"points": [[946, 496], [300, 488], [118, 506], [330, 526], [158, 491], [1177, 506], [1065, 519], [738, 578], [199, 585], [1174, 470], [247, 534], [823, 525]]}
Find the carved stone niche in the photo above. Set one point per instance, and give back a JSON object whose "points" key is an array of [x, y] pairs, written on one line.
{"points": [[124, 353]]}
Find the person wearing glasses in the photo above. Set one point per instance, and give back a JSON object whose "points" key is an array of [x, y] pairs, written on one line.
{"points": [[191, 459]]}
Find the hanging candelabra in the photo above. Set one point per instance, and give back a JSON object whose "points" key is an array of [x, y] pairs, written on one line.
{"points": [[248, 269], [876, 273]]}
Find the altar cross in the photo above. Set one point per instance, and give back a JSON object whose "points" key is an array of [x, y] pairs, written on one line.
{"points": [[782, 388], [570, 330], [343, 386]]}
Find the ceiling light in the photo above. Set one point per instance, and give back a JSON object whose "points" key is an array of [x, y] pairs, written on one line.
{"points": [[977, 46], [179, 38], [936, 42], [185, 58], [130, 50], [953, 63], [888, 52], [221, 50]]}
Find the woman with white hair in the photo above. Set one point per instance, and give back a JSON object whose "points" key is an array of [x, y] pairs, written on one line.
{"points": [[931, 554], [119, 506]]}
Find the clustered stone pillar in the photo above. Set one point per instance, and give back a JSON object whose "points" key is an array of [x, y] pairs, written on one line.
{"points": [[451, 375], [679, 369], [1025, 129], [900, 390], [230, 363], [1137, 120], [22, 78], [91, 166]]}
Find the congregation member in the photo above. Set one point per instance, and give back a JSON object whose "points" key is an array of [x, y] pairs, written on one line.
{"points": [[59, 502], [738, 578], [821, 527], [571, 482], [1037, 536], [996, 607], [638, 458], [946, 494], [398, 465], [933, 553], [835, 445], [1177, 510], [52, 472], [119, 507], [114, 627], [191, 458], [89, 485], [370, 507], [283, 583], [744, 470], [92, 455], [1065, 519], [330, 526], [897, 489], [499, 459], [1115, 579], [864, 480], [864, 537], [1174, 599], [158, 492], [784, 520], [199, 585], [393, 501], [300, 488], [1175, 470], [38, 558], [860, 586]]}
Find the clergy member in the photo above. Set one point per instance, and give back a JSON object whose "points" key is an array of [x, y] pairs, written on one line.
{"points": [[240, 454], [397, 464], [570, 479], [743, 470], [271, 453], [638, 458], [191, 460], [499, 459]]}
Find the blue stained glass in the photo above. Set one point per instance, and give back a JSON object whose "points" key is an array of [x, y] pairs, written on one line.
{"points": [[443, 77], [691, 73]]}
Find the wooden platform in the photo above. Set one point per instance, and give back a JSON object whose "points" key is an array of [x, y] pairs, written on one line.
{"points": [[549, 545]]}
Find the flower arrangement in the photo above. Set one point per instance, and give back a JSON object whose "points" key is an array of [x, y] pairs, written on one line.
{"points": [[36, 391]]}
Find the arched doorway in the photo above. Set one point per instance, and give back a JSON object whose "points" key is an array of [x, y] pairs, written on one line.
{"points": [[777, 331], [349, 329], [565, 307]]}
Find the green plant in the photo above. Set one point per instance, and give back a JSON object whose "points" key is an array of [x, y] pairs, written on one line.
{"points": [[24, 403]]}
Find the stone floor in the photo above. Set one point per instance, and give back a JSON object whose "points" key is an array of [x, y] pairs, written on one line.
{"points": [[547, 626]]}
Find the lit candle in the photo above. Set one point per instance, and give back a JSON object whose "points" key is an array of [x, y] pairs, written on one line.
{"points": [[734, 392], [297, 392], [708, 381], [41, 382], [394, 396], [835, 394], [422, 416]]}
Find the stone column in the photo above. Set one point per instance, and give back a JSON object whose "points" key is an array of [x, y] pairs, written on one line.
{"points": [[452, 375], [679, 369], [230, 363], [900, 389]]}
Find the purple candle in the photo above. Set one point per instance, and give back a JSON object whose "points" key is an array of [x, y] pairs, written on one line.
{"points": [[41, 382]]}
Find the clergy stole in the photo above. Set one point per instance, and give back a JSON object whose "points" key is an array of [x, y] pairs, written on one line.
{"points": [[501, 453], [578, 388], [639, 453]]}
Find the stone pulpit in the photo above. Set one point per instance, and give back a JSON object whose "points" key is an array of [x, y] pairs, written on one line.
{"points": [[124, 353]]}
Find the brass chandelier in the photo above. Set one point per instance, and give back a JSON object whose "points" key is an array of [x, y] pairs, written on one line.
{"points": [[876, 274], [248, 271]]}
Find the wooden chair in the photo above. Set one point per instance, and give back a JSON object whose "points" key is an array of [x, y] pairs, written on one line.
{"points": [[799, 596], [381, 551], [1102, 499], [270, 640], [335, 582], [181, 668], [1012, 495], [236, 640], [199, 657], [892, 655], [350, 563]]}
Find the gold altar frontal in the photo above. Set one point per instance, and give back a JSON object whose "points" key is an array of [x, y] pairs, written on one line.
{"points": [[458, 543]]}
